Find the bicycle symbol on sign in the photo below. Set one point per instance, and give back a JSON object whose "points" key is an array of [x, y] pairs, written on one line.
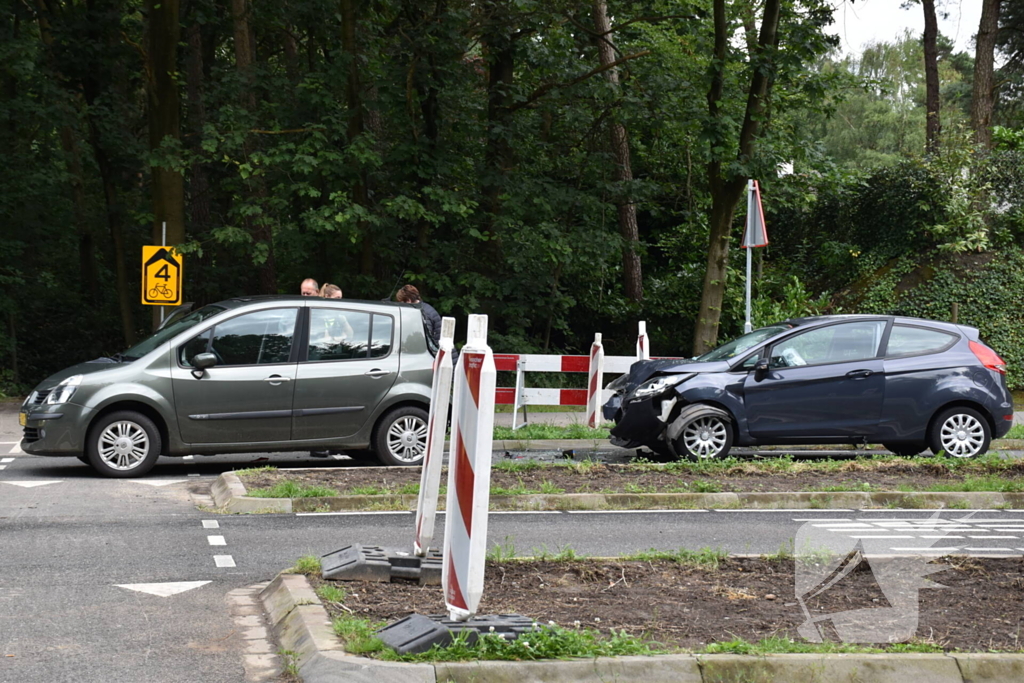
{"points": [[161, 291]]}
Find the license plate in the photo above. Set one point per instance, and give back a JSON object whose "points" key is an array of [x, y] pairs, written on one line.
{"points": [[22, 419]]}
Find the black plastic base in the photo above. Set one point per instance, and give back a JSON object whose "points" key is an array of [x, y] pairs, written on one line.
{"points": [[374, 563], [418, 633]]}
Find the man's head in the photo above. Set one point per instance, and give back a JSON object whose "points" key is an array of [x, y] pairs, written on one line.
{"points": [[309, 287], [408, 294]]}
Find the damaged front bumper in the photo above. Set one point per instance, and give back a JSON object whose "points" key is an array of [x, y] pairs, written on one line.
{"points": [[640, 422]]}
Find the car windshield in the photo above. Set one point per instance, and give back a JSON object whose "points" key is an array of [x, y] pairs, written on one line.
{"points": [[741, 344], [171, 330]]}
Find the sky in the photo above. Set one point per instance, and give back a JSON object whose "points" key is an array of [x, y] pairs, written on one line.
{"points": [[863, 21]]}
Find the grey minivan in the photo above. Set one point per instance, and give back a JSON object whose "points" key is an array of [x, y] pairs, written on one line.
{"points": [[269, 373]]}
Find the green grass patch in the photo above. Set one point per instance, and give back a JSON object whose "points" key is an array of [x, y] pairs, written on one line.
{"points": [[516, 465], [705, 558], [359, 635], [502, 552], [777, 645], [331, 593], [368, 490], [307, 564], [544, 642], [986, 483], [565, 553], [533, 432], [290, 489], [255, 470], [1016, 432]]}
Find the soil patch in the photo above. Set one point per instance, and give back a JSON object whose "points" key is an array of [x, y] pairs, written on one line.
{"points": [[894, 475], [981, 607]]}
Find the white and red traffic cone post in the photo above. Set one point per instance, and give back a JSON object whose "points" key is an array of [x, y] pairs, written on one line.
{"points": [[594, 384], [643, 346], [437, 425], [469, 474]]}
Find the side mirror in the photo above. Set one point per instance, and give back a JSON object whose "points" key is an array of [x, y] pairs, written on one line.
{"points": [[202, 361], [761, 368]]}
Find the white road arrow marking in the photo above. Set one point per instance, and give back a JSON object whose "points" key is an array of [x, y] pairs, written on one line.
{"points": [[163, 590], [31, 484], [157, 482], [15, 449]]}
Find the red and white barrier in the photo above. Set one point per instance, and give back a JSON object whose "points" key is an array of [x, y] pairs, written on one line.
{"points": [[596, 378], [437, 426], [643, 345], [469, 474]]}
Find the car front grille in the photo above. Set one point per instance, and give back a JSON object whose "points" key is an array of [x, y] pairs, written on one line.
{"points": [[31, 434]]}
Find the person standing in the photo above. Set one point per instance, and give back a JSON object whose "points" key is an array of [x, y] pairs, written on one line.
{"points": [[309, 287], [431, 318]]}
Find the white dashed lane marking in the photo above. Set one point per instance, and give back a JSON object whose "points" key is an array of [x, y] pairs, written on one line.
{"points": [[31, 484], [216, 540], [163, 590], [211, 524], [223, 560], [6, 460]]}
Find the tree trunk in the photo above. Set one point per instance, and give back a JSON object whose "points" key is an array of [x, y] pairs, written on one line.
{"points": [[933, 125], [982, 94], [498, 156], [356, 125], [258, 225], [631, 268], [164, 32], [726, 192]]}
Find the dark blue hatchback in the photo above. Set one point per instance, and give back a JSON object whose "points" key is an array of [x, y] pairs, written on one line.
{"points": [[907, 383]]}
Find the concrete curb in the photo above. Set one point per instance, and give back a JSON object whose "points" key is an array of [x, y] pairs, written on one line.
{"points": [[303, 628], [229, 494]]}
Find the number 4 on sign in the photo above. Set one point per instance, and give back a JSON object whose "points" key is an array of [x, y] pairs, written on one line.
{"points": [[161, 276]]}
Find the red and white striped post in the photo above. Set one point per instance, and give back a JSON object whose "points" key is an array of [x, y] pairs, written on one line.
{"points": [[643, 346], [469, 474], [437, 425], [594, 385]]}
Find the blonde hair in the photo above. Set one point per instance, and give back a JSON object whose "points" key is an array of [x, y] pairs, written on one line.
{"points": [[328, 289]]}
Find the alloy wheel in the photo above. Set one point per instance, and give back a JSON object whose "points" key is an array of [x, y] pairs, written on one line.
{"points": [[705, 437], [407, 438], [123, 445], [962, 435]]}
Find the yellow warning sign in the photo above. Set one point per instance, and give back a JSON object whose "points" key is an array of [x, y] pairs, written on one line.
{"points": [[161, 276]]}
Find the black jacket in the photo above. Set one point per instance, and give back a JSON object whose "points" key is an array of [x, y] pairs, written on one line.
{"points": [[431, 321]]}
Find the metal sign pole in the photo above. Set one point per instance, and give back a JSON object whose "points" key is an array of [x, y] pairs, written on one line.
{"points": [[747, 326], [163, 243]]}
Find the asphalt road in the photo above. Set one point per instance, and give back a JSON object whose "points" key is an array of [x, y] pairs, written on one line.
{"points": [[71, 541]]}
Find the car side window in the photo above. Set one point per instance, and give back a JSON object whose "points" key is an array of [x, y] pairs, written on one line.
{"points": [[905, 340], [380, 342], [256, 338], [193, 347], [337, 335], [833, 344]]}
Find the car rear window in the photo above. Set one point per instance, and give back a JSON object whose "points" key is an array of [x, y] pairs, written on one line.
{"points": [[905, 340]]}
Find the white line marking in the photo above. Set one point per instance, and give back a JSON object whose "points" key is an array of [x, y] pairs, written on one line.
{"points": [[881, 536], [163, 590], [3, 467], [822, 519], [16, 449], [991, 550], [216, 540], [189, 457], [336, 514], [339, 457], [6, 459], [224, 560], [993, 537], [194, 475], [8, 443], [839, 526], [613, 512], [31, 484], [929, 550], [156, 482], [944, 536], [787, 510], [525, 512], [211, 524]]}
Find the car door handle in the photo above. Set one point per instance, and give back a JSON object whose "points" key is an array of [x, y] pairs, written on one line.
{"points": [[277, 379], [859, 374], [375, 373]]}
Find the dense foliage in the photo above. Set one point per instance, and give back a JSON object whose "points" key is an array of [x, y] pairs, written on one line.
{"points": [[464, 147]]}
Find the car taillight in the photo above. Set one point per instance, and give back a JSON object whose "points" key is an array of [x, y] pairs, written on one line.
{"points": [[989, 358]]}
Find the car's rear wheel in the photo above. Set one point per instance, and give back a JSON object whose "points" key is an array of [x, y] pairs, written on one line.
{"points": [[123, 444], [960, 433], [401, 438], [704, 437], [902, 448]]}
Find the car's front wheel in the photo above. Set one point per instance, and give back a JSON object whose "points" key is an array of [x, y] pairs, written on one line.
{"points": [[960, 433], [402, 437], [123, 444], [704, 437]]}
